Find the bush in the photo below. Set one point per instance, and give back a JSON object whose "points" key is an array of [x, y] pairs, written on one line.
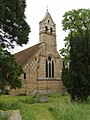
{"points": [[4, 118], [50, 109], [11, 105], [37, 98], [31, 99]]}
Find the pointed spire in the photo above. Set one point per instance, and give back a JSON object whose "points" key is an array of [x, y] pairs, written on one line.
{"points": [[47, 15]]}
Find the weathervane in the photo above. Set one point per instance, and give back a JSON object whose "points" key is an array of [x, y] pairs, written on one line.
{"points": [[47, 7]]}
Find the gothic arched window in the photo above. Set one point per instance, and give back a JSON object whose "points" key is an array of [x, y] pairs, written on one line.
{"points": [[46, 68], [49, 67], [52, 69]]}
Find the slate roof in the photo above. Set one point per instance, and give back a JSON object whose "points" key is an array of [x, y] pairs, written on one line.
{"points": [[22, 57]]}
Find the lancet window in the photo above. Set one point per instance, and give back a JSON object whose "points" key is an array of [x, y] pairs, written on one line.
{"points": [[49, 67]]}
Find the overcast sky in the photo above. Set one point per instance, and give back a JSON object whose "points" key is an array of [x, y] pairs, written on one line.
{"points": [[35, 11]]}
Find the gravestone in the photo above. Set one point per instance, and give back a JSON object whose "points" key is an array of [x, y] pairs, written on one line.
{"points": [[44, 98], [12, 114]]}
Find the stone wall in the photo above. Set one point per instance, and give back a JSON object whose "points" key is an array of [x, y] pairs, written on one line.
{"points": [[35, 68], [35, 71]]}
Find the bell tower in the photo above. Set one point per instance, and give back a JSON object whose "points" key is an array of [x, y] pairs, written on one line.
{"points": [[47, 30]]}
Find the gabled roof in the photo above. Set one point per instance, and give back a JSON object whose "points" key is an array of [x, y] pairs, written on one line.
{"points": [[22, 57]]}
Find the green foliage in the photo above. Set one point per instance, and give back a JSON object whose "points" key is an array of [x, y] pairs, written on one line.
{"points": [[13, 29], [65, 52], [51, 109], [13, 26], [79, 66], [75, 74], [75, 21], [64, 109], [31, 99], [37, 98], [11, 105], [54, 95], [4, 118], [9, 71], [71, 112]]}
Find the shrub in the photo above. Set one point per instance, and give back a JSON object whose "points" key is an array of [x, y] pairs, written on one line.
{"points": [[4, 118], [31, 99], [11, 105], [50, 109]]}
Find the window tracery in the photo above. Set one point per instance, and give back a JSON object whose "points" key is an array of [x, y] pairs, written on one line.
{"points": [[49, 67]]}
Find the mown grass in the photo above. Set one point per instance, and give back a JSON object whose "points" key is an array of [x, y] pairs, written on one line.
{"points": [[57, 108]]}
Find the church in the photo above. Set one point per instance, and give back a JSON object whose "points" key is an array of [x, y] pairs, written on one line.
{"points": [[41, 63]]}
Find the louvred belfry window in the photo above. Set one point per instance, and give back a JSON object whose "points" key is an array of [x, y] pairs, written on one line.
{"points": [[46, 28], [24, 75]]}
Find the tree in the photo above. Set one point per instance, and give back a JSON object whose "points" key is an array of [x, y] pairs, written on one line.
{"points": [[74, 21], [80, 66], [76, 76], [65, 52], [9, 70], [13, 27]]}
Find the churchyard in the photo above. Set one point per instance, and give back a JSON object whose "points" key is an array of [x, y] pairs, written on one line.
{"points": [[58, 107]]}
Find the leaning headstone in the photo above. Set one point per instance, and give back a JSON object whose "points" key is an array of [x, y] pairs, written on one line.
{"points": [[15, 115], [44, 98], [11, 114], [5, 114]]}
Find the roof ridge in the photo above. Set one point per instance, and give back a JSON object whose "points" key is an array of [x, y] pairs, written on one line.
{"points": [[23, 56], [27, 48]]}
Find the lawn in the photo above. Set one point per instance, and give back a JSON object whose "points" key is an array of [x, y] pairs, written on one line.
{"points": [[58, 107]]}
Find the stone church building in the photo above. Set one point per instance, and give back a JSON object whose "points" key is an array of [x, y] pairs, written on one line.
{"points": [[41, 63]]}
